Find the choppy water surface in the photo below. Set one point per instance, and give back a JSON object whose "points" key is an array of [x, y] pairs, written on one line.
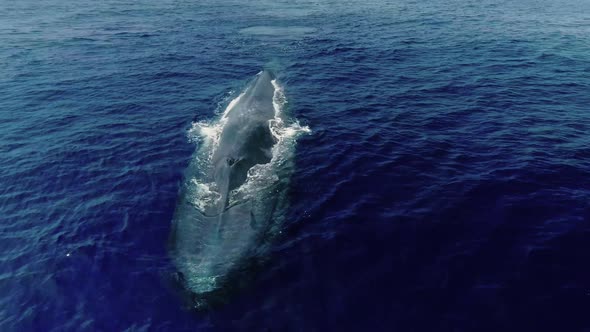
{"points": [[445, 185]]}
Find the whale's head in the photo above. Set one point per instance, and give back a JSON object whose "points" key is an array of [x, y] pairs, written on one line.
{"points": [[246, 139], [252, 147]]}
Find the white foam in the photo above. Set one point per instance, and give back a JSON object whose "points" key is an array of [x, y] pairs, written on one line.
{"points": [[205, 195]]}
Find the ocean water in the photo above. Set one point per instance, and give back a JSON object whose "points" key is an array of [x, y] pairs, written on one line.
{"points": [[445, 184]]}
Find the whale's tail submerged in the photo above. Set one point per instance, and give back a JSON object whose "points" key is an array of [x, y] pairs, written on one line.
{"points": [[207, 256], [234, 195]]}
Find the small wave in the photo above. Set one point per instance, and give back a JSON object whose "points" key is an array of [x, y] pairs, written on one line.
{"points": [[278, 32]]}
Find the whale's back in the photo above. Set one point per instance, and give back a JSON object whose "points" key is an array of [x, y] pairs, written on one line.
{"points": [[246, 139]]}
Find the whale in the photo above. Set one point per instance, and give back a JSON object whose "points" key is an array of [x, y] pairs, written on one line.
{"points": [[234, 195]]}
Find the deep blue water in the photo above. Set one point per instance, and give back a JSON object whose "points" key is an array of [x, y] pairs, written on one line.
{"points": [[445, 185]]}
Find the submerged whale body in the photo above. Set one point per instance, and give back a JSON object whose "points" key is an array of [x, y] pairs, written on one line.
{"points": [[234, 195]]}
